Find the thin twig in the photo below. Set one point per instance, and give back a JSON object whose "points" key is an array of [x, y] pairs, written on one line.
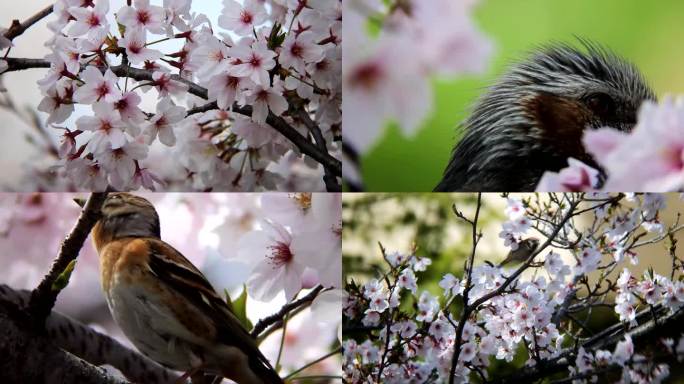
{"points": [[330, 179], [310, 364], [287, 308]]}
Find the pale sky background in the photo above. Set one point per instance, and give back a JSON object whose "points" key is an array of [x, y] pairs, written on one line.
{"points": [[14, 149]]}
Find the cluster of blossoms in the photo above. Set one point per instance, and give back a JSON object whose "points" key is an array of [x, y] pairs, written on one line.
{"points": [[278, 245], [388, 76], [402, 334], [273, 62], [650, 158]]}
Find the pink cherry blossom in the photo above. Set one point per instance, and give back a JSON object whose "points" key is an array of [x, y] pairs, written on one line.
{"points": [[575, 178], [651, 157], [300, 50], [142, 17], [264, 99], [279, 267], [226, 89], [89, 20], [121, 162], [254, 62], [97, 87], [87, 174], [242, 18], [254, 134], [162, 123], [134, 42], [131, 114], [107, 127], [166, 86], [57, 102]]}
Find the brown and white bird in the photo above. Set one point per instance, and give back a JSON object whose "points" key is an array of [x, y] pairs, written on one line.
{"points": [[525, 249], [532, 120], [164, 305]]}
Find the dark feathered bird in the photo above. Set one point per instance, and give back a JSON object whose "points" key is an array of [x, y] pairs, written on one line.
{"points": [[533, 118]]}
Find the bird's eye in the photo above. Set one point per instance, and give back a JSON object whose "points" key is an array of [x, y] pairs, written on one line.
{"points": [[601, 103]]}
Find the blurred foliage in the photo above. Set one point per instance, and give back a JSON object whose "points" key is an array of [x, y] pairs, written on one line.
{"points": [[424, 219], [647, 33]]}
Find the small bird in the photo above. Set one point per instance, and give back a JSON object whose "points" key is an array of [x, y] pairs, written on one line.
{"points": [[164, 305], [525, 249], [532, 120]]}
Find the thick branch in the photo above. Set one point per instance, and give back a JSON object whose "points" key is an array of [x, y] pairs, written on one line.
{"points": [[92, 346], [287, 308], [643, 335], [277, 122], [44, 296], [29, 358], [330, 179], [18, 28]]}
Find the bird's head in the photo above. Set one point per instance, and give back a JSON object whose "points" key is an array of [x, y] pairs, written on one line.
{"points": [[124, 204], [534, 117], [565, 91], [125, 215], [531, 243]]}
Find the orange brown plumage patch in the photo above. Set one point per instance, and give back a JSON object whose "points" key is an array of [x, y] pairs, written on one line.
{"points": [[562, 122]]}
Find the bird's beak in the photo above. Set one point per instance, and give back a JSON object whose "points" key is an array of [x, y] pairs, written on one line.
{"points": [[80, 201]]}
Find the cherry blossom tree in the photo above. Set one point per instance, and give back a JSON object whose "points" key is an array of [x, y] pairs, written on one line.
{"points": [[536, 320], [292, 307], [253, 103]]}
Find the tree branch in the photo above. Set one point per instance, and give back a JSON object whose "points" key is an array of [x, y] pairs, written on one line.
{"points": [[276, 122], [44, 296], [17, 28], [29, 358], [92, 346], [644, 334], [330, 179], [469, 272], [262, 324]]}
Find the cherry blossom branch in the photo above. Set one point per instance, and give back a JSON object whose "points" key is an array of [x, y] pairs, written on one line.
{"points": [[330, 179], [17, 28], [469, 308], [277, 317], [529, 261], [668, 325], [278, 123], [44, 296], [92, 346], [469, 272]]}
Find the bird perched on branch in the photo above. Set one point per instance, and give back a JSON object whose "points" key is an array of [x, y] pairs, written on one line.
{"points": [[164, 305], [525, 249], [533, 118]]}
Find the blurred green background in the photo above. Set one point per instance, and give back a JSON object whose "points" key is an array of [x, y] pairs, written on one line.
{"points": [[647, 33]]}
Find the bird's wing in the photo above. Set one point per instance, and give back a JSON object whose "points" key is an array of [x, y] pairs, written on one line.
{"points": [[180, 275]]}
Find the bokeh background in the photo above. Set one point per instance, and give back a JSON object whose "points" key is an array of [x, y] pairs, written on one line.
{"points": [[647, 33]]}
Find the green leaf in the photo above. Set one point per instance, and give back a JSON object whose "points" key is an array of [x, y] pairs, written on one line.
{"points": [[239, 307], [63, 279]]}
